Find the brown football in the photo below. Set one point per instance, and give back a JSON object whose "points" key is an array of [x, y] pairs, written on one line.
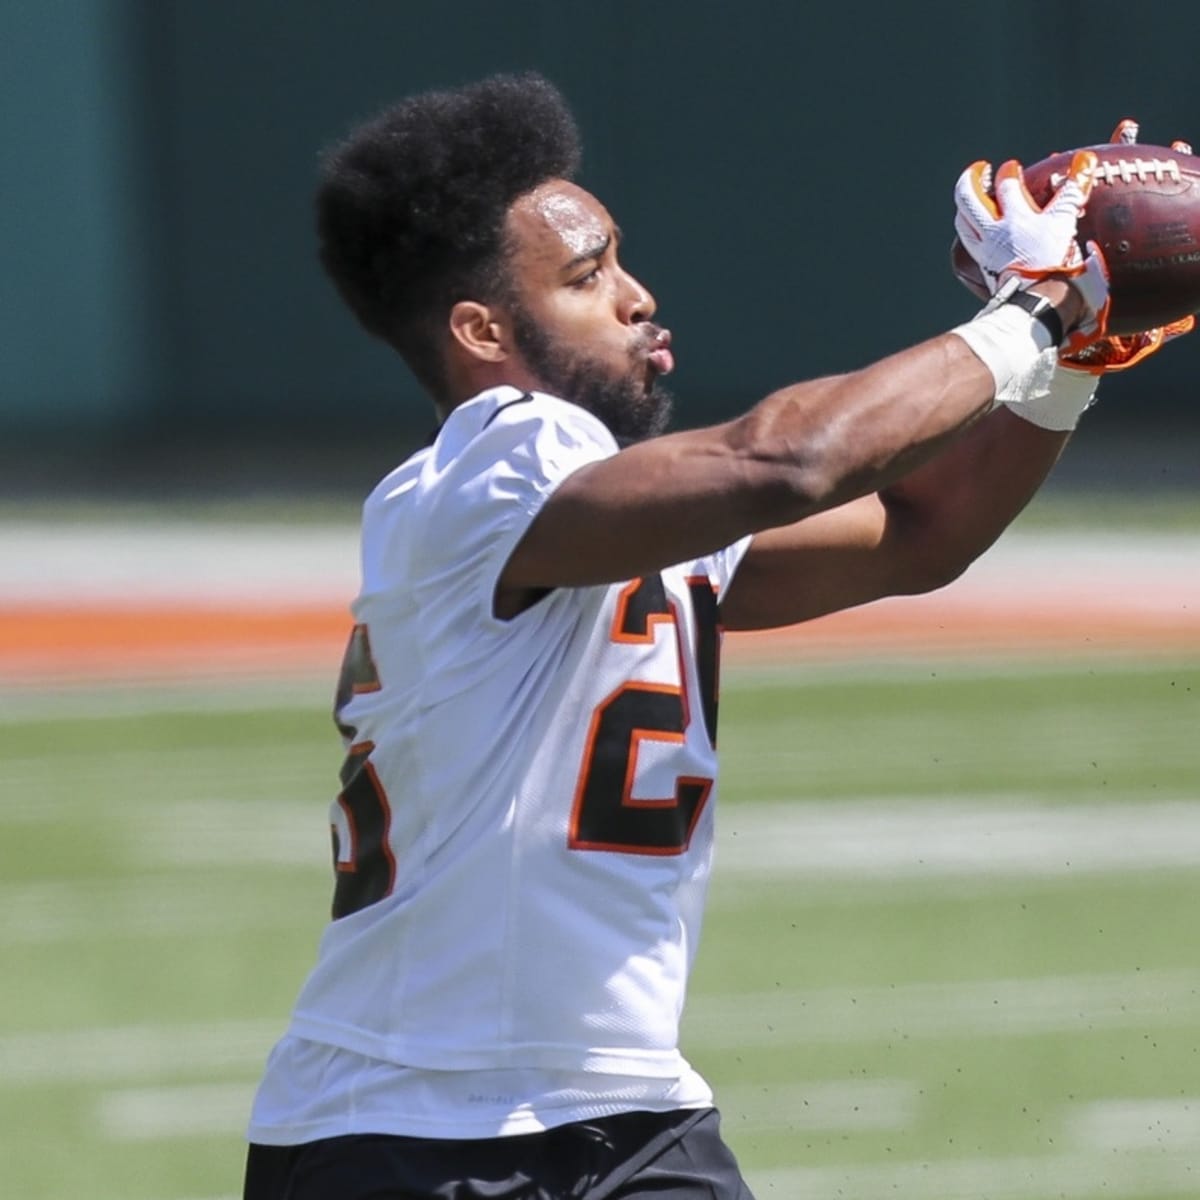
{"points": [[1144, 211]]}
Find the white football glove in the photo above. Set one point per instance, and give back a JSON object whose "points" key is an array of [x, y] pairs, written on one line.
{"points": [[1015, 242], [1004, 229]]}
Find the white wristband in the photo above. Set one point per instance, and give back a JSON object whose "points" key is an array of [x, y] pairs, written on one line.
{"points": [[1008, 341], [1054, 398]]}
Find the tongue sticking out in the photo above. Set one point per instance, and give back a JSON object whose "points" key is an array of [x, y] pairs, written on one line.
{"points": [[662, 360]]}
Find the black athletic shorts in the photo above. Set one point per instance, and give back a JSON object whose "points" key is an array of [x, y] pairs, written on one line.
{"points": [[663, 1156]]}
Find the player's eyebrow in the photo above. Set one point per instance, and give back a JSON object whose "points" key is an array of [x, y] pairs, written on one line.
{"points": [[596, 251]]}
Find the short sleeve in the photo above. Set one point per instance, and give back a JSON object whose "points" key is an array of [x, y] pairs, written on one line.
{"points": [[722, 565], [492, 468]]}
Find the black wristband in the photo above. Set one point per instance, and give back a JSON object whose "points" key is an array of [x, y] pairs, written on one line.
{"points": [[1040, 309]]}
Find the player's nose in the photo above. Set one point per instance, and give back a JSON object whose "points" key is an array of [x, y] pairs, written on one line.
{"points": [[637, 302]]}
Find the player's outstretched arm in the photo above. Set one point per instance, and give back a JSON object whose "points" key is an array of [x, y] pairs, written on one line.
{"points": [[805, 449], [819, 445], [925, 530]]}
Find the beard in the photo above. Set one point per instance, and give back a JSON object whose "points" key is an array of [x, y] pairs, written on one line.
{"points": [[634, 406]]}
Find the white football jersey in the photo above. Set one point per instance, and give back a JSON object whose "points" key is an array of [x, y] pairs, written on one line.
{"points": [[524, 836]]}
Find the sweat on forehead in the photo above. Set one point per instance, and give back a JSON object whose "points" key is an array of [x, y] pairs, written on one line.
{"points": [[572, 217]]}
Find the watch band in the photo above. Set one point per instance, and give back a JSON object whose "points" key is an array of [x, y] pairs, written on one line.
{"points": [[1040, 309]]}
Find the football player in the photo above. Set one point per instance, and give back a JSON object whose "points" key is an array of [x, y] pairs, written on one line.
{"points": [[524, 833]]}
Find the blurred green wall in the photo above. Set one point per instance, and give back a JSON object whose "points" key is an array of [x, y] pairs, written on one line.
{"points": [[782, 171]]}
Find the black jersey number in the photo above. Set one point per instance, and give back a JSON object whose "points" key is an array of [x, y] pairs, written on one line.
{"points": [[606, 816], [364, 867]]}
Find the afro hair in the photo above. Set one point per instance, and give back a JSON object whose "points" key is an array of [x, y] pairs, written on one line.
{"points": [[411, 205]]}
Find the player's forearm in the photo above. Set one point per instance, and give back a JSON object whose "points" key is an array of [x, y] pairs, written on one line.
{"points": [[954, 507], [828, 441]]}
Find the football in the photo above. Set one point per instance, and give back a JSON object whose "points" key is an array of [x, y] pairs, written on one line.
{"points": [[1144, 212]]}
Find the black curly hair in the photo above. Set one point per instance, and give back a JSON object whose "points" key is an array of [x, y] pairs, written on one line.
{"points": [[411, 206]]}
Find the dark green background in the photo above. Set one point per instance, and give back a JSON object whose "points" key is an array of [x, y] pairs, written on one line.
{"points": [[783, 173]]}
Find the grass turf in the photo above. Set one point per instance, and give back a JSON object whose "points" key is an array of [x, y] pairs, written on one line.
{"points": [[897, 1026]]}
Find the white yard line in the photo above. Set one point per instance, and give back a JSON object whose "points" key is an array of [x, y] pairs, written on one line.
{"points": [[154, 905], [907, 843], [914, 839], [1071, 1004], [195, 562], [818, 1106], [147, 777], [135, 1052], [899, 840], [1113, 1137], [1166, 1124], [50, 561], [152, 1114], [897, 844], [207, 1109], [1066, 1004]]}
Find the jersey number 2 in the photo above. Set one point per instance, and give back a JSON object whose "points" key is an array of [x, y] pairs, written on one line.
{"points": [[365, 869], [606, 815]]}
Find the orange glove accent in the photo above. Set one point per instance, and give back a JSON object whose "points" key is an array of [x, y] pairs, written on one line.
{"points": [[1121, 353]]}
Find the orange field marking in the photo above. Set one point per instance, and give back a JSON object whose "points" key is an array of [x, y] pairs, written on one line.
{"points": [[104, 642], [122, 642]]}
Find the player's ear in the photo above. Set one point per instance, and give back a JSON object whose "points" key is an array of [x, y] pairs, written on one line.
{"points": [[478, 329]]}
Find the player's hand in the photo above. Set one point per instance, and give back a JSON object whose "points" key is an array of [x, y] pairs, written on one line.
{"points": [[1008, 234], [1120, 353], [1011, 238]]}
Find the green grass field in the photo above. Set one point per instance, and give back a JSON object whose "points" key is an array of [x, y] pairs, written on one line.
{"points": [[951, 949]]}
